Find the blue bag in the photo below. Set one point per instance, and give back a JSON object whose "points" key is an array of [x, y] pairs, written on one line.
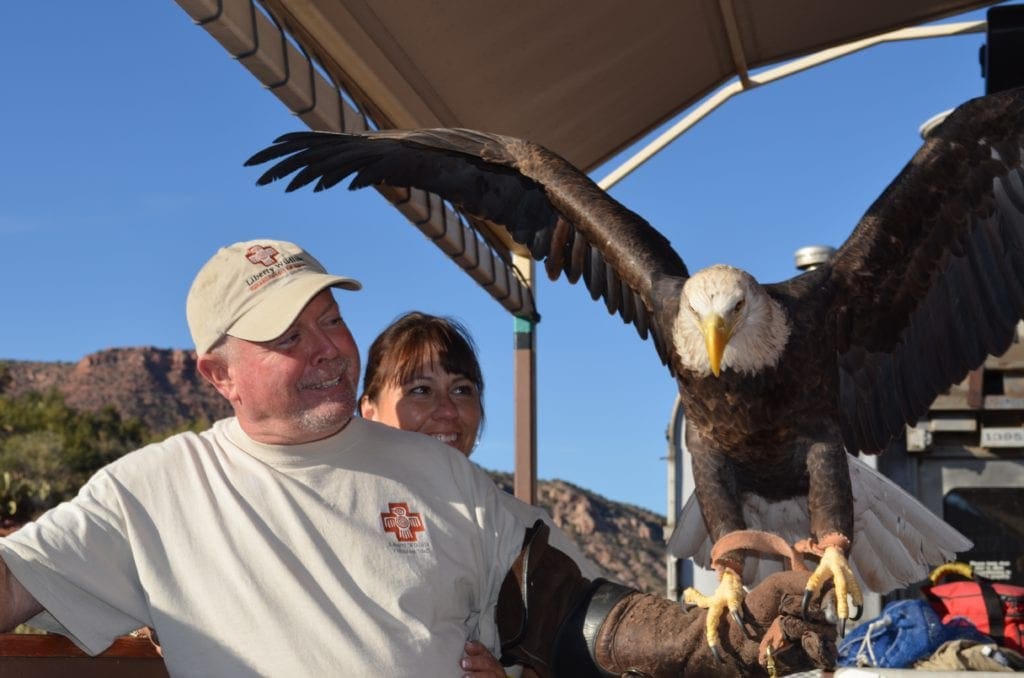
{"points": [[906, 631]]}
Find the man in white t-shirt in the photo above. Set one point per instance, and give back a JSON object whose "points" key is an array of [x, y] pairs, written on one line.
{"points": [[294, 539]]}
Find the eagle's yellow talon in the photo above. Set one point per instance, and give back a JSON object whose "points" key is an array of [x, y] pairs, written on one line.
{"points": [[833, 564], [728, 596]]}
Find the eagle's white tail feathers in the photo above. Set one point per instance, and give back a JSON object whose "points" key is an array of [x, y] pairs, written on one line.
{"points": [[896, 539], [889, 565], [690, 535], [906, 537]]}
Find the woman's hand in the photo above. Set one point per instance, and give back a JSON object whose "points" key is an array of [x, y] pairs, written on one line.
{"points": [[480, 663]]}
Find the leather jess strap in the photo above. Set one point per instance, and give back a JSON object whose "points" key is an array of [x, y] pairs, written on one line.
{"points": [[761, 542]]}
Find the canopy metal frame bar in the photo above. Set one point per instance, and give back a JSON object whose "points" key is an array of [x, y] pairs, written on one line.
{"points": [[746, 82]]}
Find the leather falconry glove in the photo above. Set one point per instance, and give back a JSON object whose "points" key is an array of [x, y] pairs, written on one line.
{"points": [[561, 624]]}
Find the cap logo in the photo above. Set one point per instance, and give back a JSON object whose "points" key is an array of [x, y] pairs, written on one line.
{"points": [[261, 255], [267, 257]]}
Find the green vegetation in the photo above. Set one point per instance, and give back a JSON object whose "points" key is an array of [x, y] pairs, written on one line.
{"points": [[48, 449]]}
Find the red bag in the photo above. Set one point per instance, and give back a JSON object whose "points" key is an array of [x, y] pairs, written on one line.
{"points": [[995, 609]]}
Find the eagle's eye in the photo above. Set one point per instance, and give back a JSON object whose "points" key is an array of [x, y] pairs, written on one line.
{"points": [[739, 306]]}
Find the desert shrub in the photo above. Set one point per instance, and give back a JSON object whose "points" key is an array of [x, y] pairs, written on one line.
{"points": [[48, 450]]}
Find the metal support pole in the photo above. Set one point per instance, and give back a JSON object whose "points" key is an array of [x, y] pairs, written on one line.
{"points": [[525, 387]]}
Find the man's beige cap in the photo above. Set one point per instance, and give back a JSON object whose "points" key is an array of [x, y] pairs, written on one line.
{"points": [[254, 290]]}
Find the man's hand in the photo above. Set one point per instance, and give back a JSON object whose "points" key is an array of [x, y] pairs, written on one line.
{"points": [[480, 663]]}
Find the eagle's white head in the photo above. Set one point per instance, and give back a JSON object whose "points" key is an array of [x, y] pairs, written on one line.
{"points": [[727, 321]]}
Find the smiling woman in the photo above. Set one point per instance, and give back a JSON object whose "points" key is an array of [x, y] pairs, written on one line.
{"points": [[422, 375]]}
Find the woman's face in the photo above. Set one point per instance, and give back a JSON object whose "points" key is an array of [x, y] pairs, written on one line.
{"points": [[435, 402]]}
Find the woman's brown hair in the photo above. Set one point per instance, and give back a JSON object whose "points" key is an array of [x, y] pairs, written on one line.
{"points": [[415, 340]]}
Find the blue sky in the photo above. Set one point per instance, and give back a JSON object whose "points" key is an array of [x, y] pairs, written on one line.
{"points": [[123, 138]]}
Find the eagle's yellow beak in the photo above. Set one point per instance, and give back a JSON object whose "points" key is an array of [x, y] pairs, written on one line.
{"points": [[716, 336]]}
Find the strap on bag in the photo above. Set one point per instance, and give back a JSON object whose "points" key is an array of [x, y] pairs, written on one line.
{"points": [[993, 607]]}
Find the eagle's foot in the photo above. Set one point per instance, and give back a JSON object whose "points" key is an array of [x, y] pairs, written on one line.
{"points": [[834, 564], [728, 596]]}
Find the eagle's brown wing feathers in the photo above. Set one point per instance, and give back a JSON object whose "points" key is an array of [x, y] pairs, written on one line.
{"points": [[932, 279], [545, 203]]}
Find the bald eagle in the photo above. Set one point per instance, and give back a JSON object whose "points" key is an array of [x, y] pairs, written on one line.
{"points": [[780, 382]]}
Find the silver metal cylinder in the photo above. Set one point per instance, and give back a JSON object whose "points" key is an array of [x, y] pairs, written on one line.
{"points": [[812, 256]]}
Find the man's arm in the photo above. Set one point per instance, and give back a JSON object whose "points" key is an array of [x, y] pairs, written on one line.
{"points": [[561, 624], [16, 604]]}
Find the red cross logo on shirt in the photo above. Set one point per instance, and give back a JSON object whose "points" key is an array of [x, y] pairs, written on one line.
{"points": [[260, 254], [400, 521]]}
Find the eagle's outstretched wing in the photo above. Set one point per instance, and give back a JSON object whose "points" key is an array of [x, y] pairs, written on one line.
{"points": [[543, 201], [932, 278]]}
